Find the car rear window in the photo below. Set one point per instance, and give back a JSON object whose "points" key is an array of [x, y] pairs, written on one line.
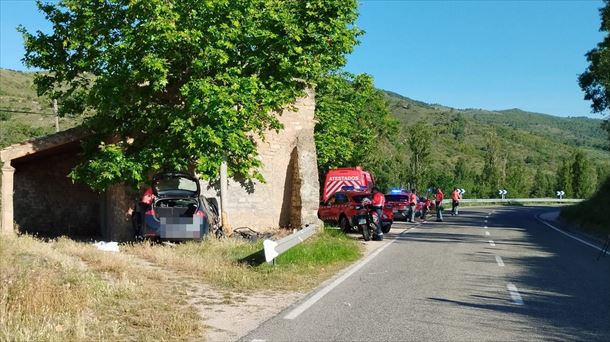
{"points": [[175, 183], [396, 198]]}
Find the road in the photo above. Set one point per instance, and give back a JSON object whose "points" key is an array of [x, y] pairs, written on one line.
{"points": [[489, 274]]}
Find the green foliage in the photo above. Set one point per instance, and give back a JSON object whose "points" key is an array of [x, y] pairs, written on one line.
{"points": [[189, 81], [353, 118], [595, 81], [542, 185], [592, 214], [564, 178], [419, 145], [503, 149], [492, 177], [583, 176]]}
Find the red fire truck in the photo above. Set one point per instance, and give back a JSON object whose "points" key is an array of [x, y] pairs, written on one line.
{"points": [[354, 177]]}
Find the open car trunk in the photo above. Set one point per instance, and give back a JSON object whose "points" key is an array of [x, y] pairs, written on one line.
{"points": [[175, 207]]}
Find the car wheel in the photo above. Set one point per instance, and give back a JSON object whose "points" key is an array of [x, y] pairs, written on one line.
{"points": [[344, 224]]}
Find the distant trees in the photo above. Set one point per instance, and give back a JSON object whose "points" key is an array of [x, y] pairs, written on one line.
{"points": [[418, 143], [583, 176], [491, 177], [564, 177]]}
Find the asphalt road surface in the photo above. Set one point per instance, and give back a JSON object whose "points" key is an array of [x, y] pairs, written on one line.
{"points": [[493, 274]]}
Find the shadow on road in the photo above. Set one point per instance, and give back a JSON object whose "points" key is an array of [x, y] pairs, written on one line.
{"points": [[562, 284]]}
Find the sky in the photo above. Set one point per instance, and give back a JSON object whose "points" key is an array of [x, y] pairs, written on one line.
{"points": [[462, 54]]}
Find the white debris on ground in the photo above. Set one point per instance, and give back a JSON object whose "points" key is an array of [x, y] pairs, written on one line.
{"points": [[111, 246]]}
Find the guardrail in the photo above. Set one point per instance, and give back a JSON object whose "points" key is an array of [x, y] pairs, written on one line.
{"points": [[274, 248], [516, 200]]}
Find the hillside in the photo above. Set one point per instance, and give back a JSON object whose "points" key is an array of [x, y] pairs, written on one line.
{"points": [[540, 138], [533, 141], [23, 114]]}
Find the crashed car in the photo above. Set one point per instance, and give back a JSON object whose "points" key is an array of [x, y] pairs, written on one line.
{"points": [[172, 209]]}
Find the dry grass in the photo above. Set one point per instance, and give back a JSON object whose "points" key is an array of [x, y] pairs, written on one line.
{"points": [[65, 290], [217, 262], [69, 291]]}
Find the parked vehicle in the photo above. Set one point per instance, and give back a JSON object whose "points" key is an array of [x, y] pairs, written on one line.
{"points": [[398, 200], [343, 207], [336, 179], [367, 220], [174, 210]]}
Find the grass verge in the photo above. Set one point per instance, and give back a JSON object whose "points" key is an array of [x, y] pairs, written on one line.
{"points": [[592, 215], [217, 262], [69, 291], [66, 291]]}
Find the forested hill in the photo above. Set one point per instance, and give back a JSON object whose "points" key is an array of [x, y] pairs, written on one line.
{"points": [[573, 131], [529, 149], [530, 154]]}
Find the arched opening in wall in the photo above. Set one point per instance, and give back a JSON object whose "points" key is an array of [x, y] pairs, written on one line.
{"points": [[46, 202], [291, 201]]}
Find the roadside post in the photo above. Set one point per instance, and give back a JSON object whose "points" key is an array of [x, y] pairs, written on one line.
{"points": [[273, 249]]}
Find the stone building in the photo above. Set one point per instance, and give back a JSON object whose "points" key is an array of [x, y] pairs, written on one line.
{"points": [[38, 197]]}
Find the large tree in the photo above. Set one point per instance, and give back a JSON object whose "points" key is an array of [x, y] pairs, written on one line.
{"points": [[183, 84], [595, 81], [354, 123]]}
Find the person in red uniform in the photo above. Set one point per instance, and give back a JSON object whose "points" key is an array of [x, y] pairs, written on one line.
{"points": [[455, 201], [412, 205], [425, 207], [378, 203], [439, 204]]}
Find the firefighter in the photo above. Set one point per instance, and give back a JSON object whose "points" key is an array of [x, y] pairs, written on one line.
{"points": [[378, 203], [425, 207], [439, 204], [412, 205], [455, 201]]}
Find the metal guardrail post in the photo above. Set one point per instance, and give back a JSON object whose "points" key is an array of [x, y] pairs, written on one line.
{"points": [[274, 248]]}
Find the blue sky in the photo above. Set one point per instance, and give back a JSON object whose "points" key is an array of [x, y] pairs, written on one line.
{"points": [[463, 54]]}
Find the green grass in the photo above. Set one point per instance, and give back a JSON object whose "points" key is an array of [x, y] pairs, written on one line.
{"points": [[592, 215], [328, 247]]}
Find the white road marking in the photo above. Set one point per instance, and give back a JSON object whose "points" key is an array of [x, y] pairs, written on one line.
{"points": [[570, 235], [514, 294], [316, 297], [487, 233], [258, 340], [499, 261], [485, 227], [492, 243], [485, 221]]}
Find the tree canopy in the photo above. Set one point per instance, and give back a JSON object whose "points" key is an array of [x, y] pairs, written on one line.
{"points": [[183, 84], [595, 81], [353, 119]]}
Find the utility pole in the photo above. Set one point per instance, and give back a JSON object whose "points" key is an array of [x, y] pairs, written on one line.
{"points": [[226, 226], [56, 115]]}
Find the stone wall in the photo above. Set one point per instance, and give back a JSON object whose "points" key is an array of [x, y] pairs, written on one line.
{"points": [[46, 202], [290, 195]]}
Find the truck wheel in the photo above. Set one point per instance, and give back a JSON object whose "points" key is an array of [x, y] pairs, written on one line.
{"points": [[344, 224]]}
